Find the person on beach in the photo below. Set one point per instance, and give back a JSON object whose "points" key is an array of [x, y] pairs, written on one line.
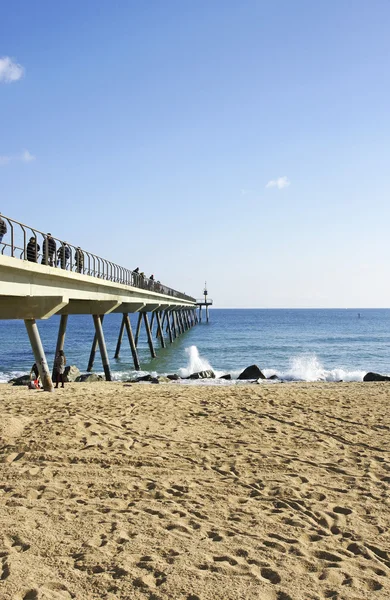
{"points": [[49, 250], [3, 228], [34, 376], [63, 256], [59, 368], [32, 249], [79, 259]]}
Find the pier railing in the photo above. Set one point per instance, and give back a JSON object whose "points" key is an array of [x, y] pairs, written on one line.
{"points": [[27, 243]]}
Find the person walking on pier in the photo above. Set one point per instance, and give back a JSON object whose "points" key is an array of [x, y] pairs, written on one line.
{"points": [[59, 368], [136, 277], [63, 256], [3, 228], [32, 250], [79, 260], [49, 250]]}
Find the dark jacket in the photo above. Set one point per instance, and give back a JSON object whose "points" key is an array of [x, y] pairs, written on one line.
{"points": [[32, 251], [51, 247], [3, 226], [63, 255]]}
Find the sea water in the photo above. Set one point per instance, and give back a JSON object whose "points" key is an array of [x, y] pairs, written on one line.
{"points": [[294, 344]]}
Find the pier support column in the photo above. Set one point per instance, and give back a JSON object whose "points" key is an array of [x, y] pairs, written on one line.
{"points": [[160, 329], [39, 354], [169, 326], [178, 324], [149, 334], [200, 314], [60, 337], [118, 346], [93, 350], [138, 329], [131, 342], [102, 346], [207, 314], [174, 324], [151, 323]]}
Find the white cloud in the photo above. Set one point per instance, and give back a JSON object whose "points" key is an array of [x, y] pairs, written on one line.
{"points": [[24, 156], [279, 183], [10, 70]]}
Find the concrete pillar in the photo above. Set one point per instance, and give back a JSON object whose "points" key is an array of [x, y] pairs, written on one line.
{"points": [[102, 346], [118, 346], [138, 329], [169, 326], [174, 324], [39, 354], [131, 342], [149, 334], [60, 337], [160, 329], [207, 314], [93, 350]]}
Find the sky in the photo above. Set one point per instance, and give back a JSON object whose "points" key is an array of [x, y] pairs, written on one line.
{"points": [[243, 143]]}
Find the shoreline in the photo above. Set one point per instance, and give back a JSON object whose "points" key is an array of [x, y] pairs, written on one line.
{"points": [[114, 490]]}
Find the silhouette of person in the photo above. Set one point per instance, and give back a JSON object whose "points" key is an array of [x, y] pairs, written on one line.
{"points": [[32, 250], [48, 249]]}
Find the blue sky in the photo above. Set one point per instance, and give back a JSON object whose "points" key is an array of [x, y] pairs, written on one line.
{"points": [[147, 132]]}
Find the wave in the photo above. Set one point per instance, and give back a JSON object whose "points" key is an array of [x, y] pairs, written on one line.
{"points": [[305, 367]]}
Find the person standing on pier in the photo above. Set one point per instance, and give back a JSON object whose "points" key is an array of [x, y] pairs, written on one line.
{"points": [[32, 249], [79, 260], [3, 228], [63, 256], [59, 368], [49, 250]]}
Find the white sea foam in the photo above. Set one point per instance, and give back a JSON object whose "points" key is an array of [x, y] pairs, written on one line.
{"points": [[195, 363], [6, 376], [307, 367]]}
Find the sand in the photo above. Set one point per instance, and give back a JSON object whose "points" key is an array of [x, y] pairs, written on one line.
{"points": [[276, 492]]}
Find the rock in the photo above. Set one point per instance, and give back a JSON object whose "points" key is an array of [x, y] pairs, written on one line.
{"points": [[144, 378], [203, 375], [163, 379], [173, 377], [71, 373], [252, 372], [373, 377], [154, 380], [273, 377], [89, 378], [228, 376], [22, 380]]}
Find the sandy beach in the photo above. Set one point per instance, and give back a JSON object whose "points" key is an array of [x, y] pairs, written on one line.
{"points": [[151, 492]]}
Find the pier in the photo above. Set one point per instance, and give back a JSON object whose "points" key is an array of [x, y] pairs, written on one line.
{"points": [[204, 302], [42, 276]]}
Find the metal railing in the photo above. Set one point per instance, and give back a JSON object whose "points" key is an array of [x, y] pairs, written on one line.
{"points": [[203, 301], [27, 243]]}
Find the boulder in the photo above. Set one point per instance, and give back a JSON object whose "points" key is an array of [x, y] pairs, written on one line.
{"points": [[273, 377], [373, 377], [89, 378], [71, 373], [173, 377], [227, 376], [252, 372], [22, 380], [209, 374], [144, 378]]}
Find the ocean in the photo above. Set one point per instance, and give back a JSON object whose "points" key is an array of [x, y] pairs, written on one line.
{"points": [[294, 344]]}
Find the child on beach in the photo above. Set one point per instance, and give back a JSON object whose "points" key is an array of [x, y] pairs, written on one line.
{"points": [[59, 368]]}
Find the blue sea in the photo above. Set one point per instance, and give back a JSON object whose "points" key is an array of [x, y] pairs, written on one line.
{"points": [[294, 344]]}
